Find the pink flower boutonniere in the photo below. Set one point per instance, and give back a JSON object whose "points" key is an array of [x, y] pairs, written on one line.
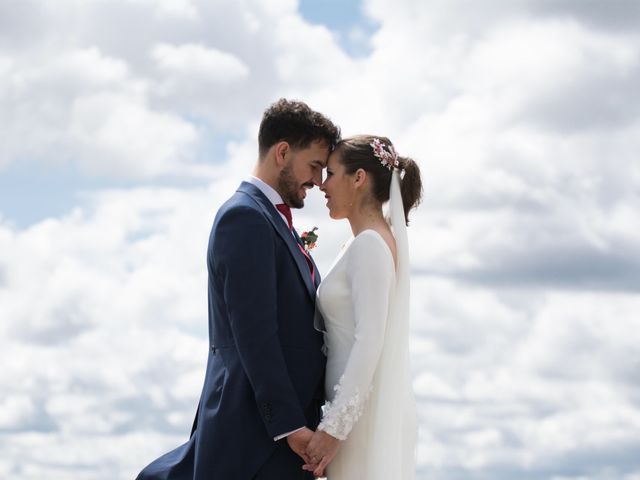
{"points": [[309, 239]]}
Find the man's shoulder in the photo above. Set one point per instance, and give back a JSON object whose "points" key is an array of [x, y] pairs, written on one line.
{"points": [[240, 208], [239, 202]]}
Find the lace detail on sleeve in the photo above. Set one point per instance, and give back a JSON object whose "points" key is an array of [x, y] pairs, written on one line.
{"points": [[343, 412]]}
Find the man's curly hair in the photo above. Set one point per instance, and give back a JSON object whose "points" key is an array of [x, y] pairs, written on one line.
{"points": [[294, 122]]}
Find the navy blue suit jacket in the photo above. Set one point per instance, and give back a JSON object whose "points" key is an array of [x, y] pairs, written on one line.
{"points": [[265, 371]]}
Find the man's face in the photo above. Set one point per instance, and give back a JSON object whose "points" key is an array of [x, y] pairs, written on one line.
{"points": [[302, 172]]}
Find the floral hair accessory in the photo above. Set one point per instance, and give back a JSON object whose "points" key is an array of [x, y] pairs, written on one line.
{"points": [[386, 153], [309, 239]]}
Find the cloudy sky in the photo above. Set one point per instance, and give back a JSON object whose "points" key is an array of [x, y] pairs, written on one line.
{"points": [[125, 123]]}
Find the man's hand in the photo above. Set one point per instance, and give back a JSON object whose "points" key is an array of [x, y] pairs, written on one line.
{"points": [[320, 451], [298, 442]]}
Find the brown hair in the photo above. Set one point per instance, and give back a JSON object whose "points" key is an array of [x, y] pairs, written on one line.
{"points": [[356, 152], [294, 122]]}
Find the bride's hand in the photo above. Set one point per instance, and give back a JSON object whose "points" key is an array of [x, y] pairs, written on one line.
{"points": [[321, 450]]}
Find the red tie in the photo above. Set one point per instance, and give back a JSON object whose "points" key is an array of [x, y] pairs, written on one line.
{"points": [[286, 211]]}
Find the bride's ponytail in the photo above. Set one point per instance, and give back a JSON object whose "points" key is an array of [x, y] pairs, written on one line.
{"points": [[410, 185]]}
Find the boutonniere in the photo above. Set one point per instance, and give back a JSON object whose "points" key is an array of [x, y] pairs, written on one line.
{"points": [[309, 239]]}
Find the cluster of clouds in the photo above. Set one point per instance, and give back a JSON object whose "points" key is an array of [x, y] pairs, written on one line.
{"points": [[525, 120]]}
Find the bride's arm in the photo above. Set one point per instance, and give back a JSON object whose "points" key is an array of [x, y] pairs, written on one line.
{"points": [[370, 272]]}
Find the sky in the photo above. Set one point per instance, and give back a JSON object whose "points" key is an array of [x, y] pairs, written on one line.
{"points": [[126, 123]]}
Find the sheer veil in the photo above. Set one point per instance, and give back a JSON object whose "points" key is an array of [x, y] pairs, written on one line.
{"points": [[393, 403]]}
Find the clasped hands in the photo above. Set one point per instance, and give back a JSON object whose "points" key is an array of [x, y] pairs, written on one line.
{"points": [[317, 449]]}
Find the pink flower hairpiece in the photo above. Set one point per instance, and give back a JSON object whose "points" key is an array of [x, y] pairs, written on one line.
{"points": [[386, 153]]}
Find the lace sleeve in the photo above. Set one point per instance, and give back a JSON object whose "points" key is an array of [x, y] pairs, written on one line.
{"points": [[371, 275], [341, 415]]}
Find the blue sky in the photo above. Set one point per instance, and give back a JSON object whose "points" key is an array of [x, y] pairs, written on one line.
{"points": [[344, 19], [127, 123]]}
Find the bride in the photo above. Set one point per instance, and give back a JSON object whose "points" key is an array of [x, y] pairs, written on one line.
{"points": [[369, 426]]}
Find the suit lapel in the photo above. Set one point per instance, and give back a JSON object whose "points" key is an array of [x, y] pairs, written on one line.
{"points": [[278, 224]]}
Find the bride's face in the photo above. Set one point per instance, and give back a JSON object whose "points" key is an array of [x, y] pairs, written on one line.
{"points": [[338, 188]]}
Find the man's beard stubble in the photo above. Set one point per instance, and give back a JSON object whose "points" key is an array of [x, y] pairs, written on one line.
{"points": [[288, 188]]}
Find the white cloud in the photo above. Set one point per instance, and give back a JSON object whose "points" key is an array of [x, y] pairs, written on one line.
{"points": [[87, 108], [214, 65], [510, 386], [121, 135], [185, 9]]}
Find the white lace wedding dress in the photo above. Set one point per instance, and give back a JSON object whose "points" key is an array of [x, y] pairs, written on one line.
{"points": [[363, 301]]}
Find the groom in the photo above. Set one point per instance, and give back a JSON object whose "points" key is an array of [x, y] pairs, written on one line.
{"points": [[264, 383]]}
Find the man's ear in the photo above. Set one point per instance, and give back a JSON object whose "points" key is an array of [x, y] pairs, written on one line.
{"points": [[282, 150]]}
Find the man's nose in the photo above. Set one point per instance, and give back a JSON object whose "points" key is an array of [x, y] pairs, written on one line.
{"points": [[317, 178]]}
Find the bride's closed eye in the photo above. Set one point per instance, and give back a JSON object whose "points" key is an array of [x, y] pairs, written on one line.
{"points": [[326, 174]]}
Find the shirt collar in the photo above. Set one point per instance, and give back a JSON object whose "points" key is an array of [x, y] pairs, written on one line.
{"points": [[269, 192]]}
